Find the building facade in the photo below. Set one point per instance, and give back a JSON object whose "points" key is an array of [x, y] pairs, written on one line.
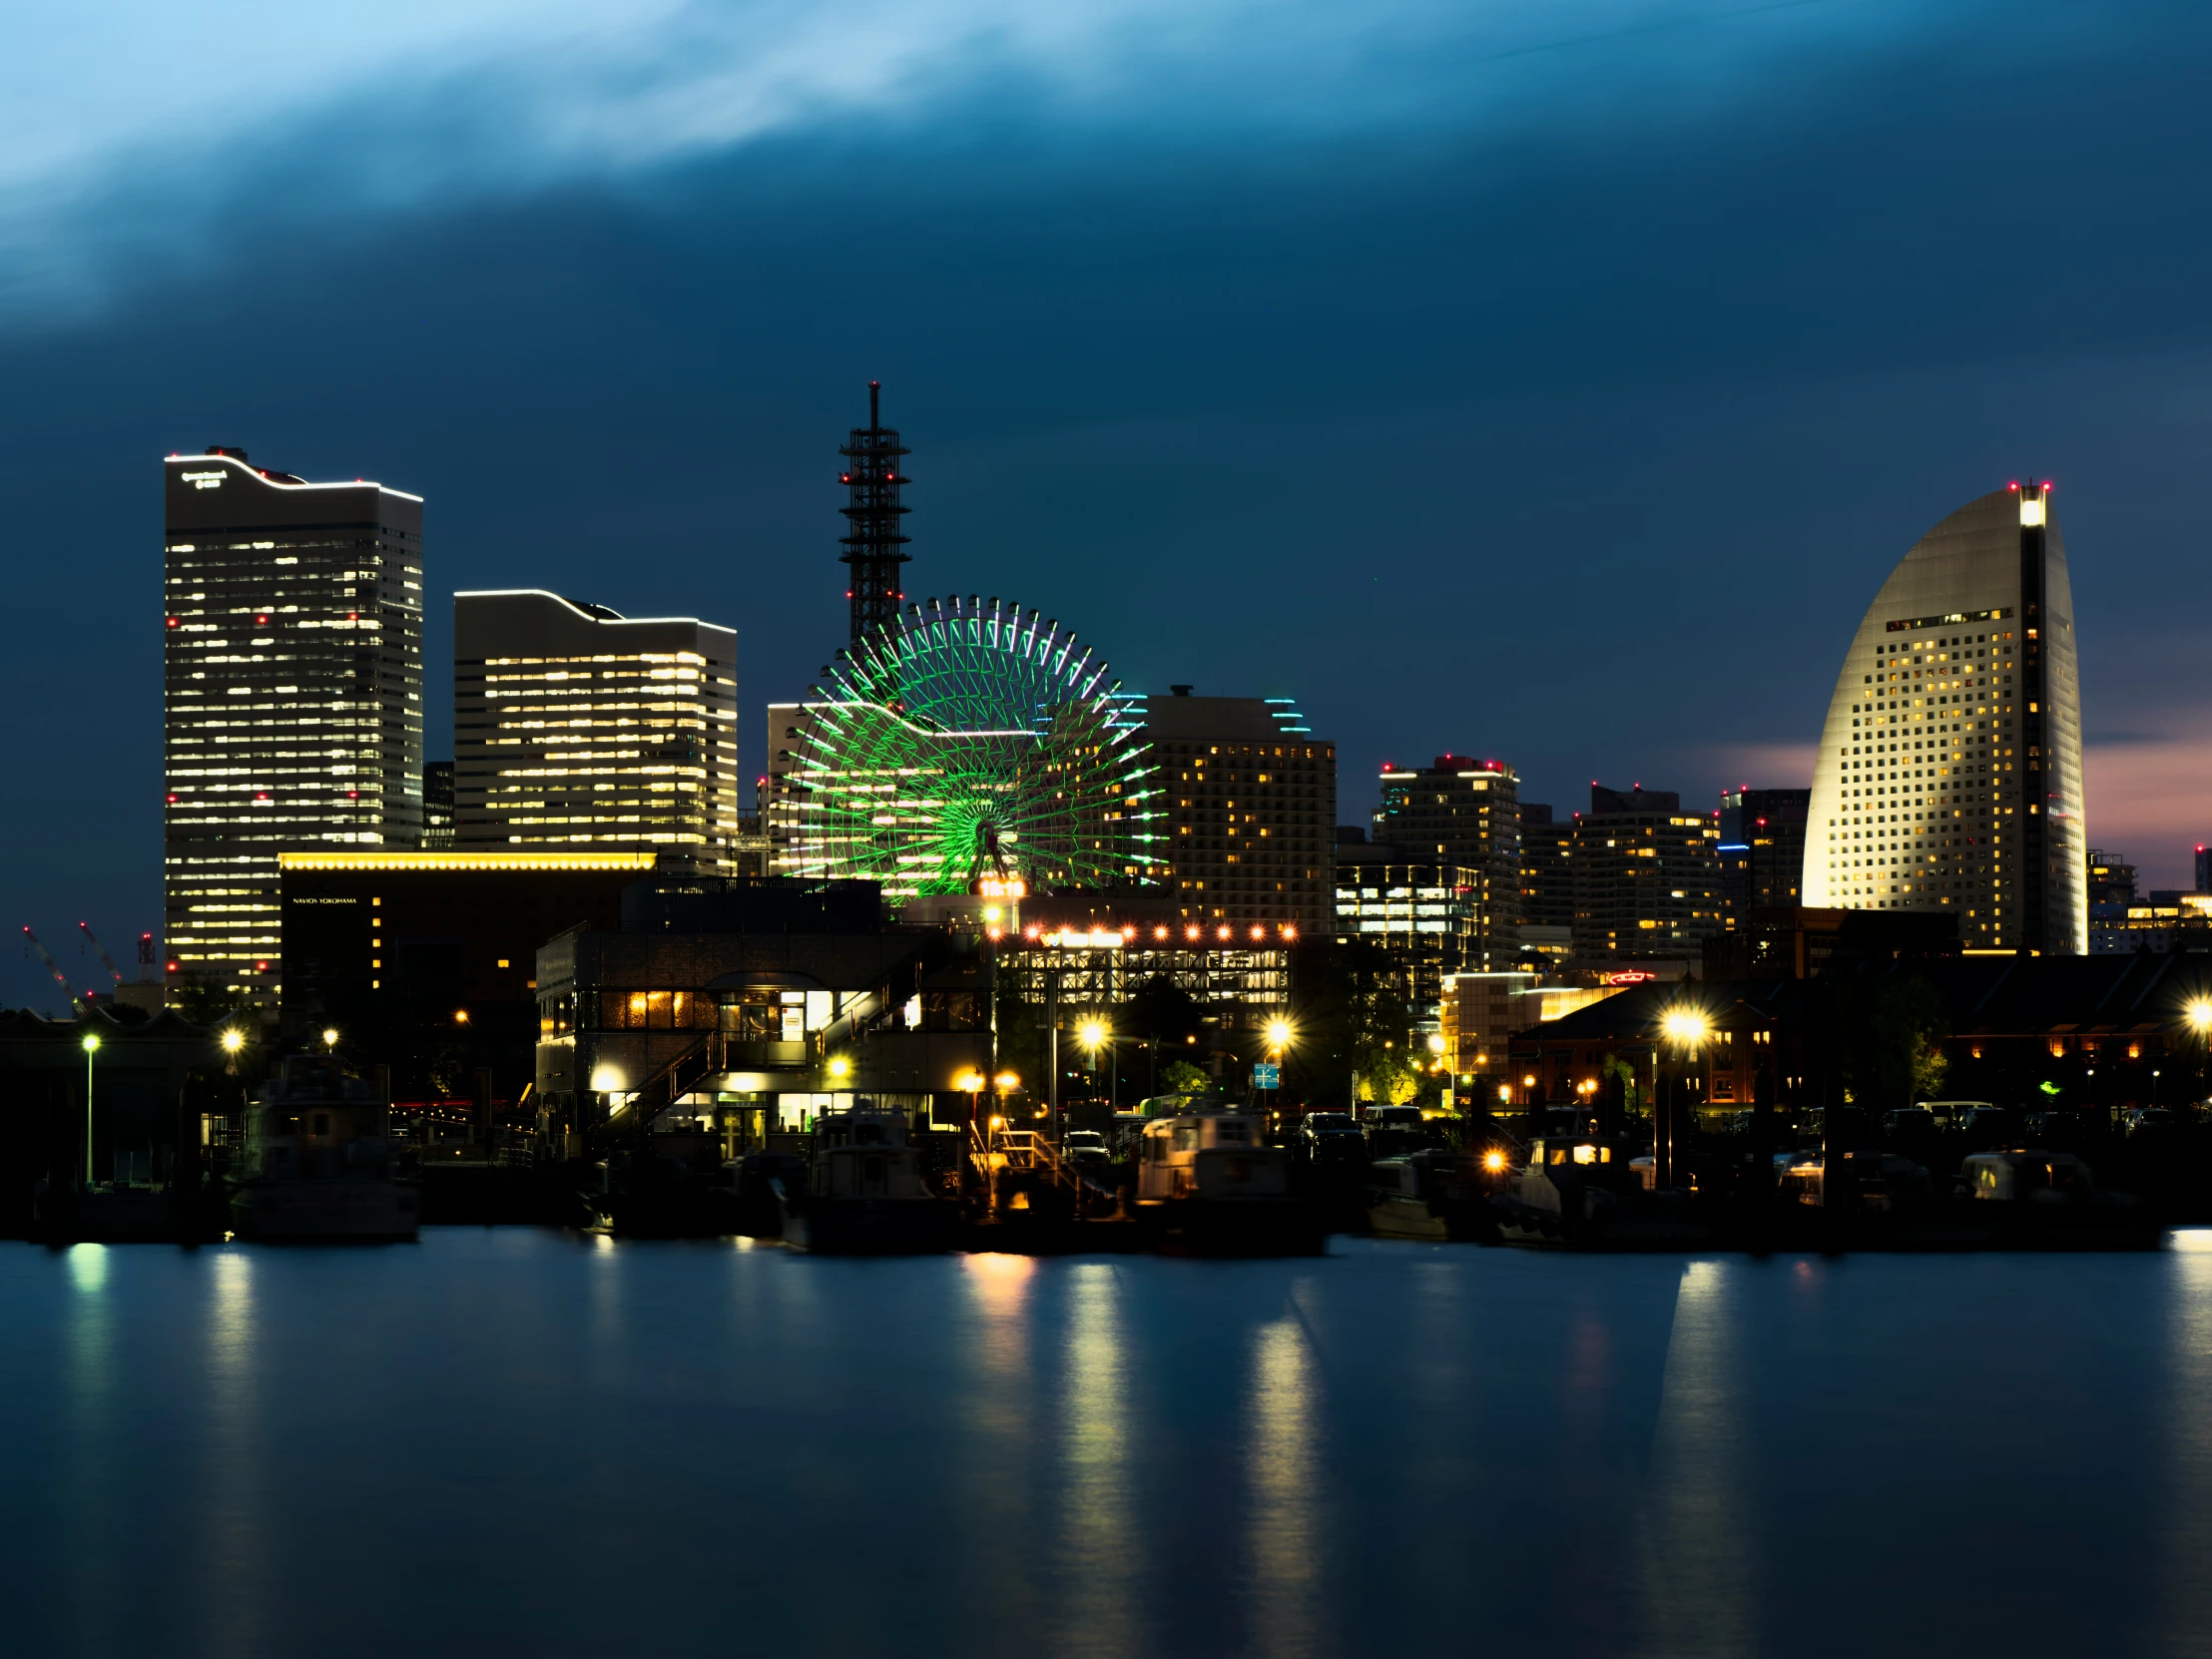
{"points": [[575, 727], [1647, 877], [1762, 848], [1244, 810], [1429, 918], [291, 698], [1949, 771], [1464, 813], [437, 806]]}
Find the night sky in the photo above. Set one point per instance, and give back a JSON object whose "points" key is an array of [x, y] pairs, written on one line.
{"points": [[1551, 381]]}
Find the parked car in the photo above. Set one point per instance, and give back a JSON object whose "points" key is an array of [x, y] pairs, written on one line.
{"points": [[1392, 1130], [2149, 1120], [1910, 1123], [1331, 1138], [1086, 1149]]}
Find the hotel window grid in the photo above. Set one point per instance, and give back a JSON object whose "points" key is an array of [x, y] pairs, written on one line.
{"points": [[293, 698], [628, 742]]}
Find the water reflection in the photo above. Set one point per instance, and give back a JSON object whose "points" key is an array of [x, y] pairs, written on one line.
{"points": [[92, 1464], [1098, 1529], [2188, 1533], [1281, 1464], [999, 1413], [231, 1541], [1699, 1562]]}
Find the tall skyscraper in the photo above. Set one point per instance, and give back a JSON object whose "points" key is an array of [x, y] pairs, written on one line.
{"points": [[1949, 773], [293, 697], [1647, 879], [1245, 809], [577, 727], [1466, 812]]}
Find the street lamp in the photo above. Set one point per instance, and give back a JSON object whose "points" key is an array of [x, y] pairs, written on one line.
{"points": [[1687, 1028], [331, 1038], [91, 1047], [839, 1069], [1094, 1034], [1279, 1035]]}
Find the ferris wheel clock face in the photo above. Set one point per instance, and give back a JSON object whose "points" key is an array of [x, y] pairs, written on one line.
{"points": [[971, 742]]}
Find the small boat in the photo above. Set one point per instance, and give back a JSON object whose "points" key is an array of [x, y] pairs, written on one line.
{"points": [[1583, 1192], [1209, 1184], [2031, 1198], [318, 1161], [1438, 1193], [866, 1193]]}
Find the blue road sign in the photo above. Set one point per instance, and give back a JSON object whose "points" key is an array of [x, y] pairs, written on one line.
{"points": [[1265, 1076]]}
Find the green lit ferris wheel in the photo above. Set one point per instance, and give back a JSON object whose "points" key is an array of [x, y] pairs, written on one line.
{"points": [[969, 740]]}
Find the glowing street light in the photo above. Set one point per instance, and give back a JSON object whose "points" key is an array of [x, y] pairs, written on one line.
{"points": [[2199, 1016], [1092, 1033], [331, 1038], [840, 1068], [91, 1047], [1686, 1026], [1278, 1034], [233, 1040]]}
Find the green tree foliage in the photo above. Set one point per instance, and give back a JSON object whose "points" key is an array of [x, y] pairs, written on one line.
{"points": [[1887, 1032], [1351, 1021], [1181, 1077]]}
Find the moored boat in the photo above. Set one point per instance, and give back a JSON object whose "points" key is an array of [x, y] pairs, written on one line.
{"points": [[1438, 1193], [1207, 1182], [866, 1192], [318, 1161]]}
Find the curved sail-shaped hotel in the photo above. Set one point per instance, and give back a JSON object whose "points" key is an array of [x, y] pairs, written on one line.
{"points": [[1949, 771]]}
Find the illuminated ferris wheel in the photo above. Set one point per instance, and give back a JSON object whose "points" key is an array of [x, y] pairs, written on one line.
{"points": [[965, 743]]}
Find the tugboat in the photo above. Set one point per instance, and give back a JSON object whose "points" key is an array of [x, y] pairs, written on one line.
{"points": [[1209, 1184], [865, 1192], [318, 1161], [1436, 1193]]}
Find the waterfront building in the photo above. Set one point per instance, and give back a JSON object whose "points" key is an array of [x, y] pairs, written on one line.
{"points": [[1950, 770], [1547, 932], [1762, 848], [1465, 815], [1647, 877], [404, 954], [577, 728], [1096, 950], [2111, 878], [1244, 811], [750, 1033], [1482, 1012], [291, 698], [437, 806], [2204, 869]]}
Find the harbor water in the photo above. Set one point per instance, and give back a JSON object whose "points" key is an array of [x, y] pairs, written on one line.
{"points": [[531, 1442]]}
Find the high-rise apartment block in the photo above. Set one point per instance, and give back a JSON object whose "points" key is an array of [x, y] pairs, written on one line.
{"points": [[1245, 810], [293, 697], [1465, 812], [1762, 848], [1647, 877], [576, 726], [1426, 915], [1949, 771]]}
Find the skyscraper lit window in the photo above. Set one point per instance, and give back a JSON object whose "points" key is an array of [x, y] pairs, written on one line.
{"points": [[293, 697], [575, 726], [1949, 774]]}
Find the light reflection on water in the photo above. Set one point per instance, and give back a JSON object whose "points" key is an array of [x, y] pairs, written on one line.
{"points": [[516, 1441]]}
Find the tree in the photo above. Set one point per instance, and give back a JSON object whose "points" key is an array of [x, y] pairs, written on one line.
{"points": [[1181, 1077], [1887, 1036], [1351, 1023]]}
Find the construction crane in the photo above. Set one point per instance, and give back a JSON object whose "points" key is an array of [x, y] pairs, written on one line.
{"points": [[106, 961], [52, 966]]}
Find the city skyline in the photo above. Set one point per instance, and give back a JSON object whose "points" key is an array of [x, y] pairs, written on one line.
{"points": [[1237, 395]]}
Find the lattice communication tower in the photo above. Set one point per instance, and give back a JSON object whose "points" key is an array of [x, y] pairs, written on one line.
{"points": [[875, 545]]}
